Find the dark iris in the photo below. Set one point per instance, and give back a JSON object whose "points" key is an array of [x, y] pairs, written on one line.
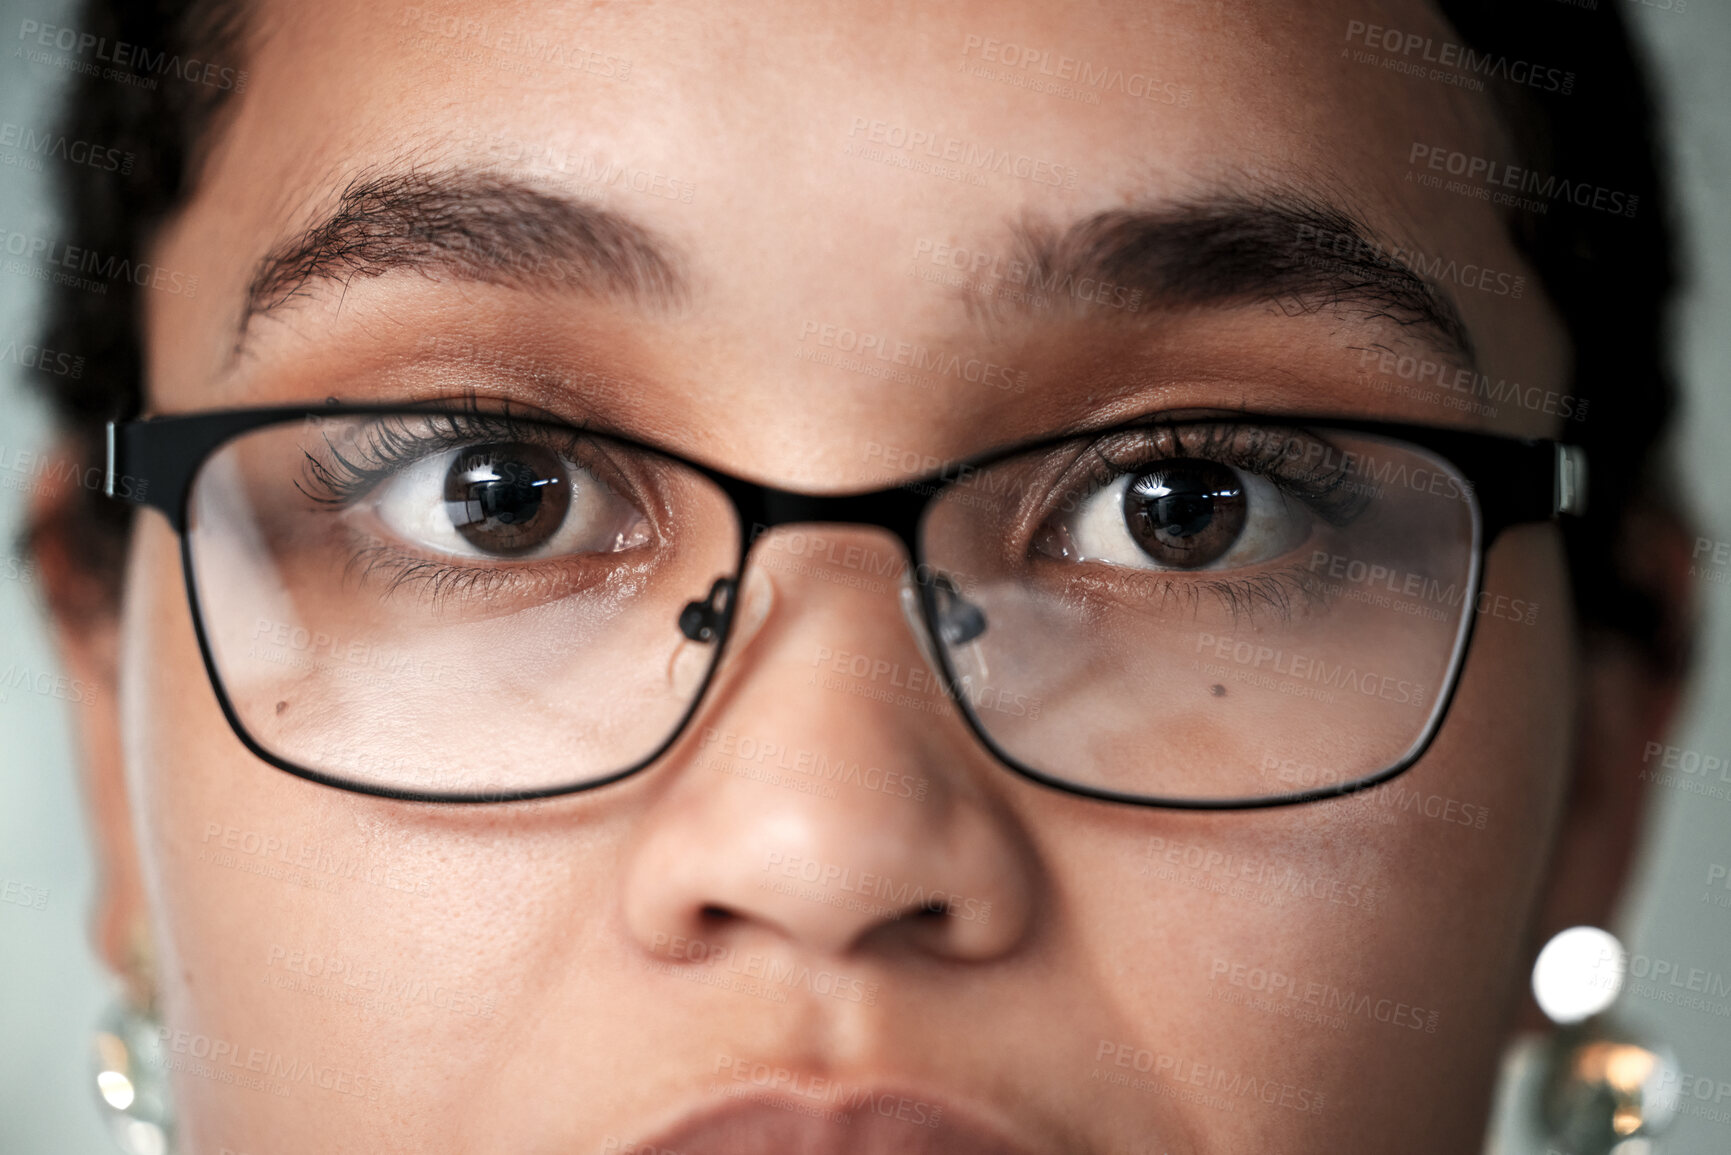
{"points": [[507, 498], [1185, 513]]}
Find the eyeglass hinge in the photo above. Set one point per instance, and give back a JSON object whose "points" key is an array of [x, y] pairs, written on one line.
{"points": [[1571, 491], [109, 474]]}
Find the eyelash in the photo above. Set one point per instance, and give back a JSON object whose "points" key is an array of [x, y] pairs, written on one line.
{"points": [[1257, 449], [391, 444], [1326, 491]]}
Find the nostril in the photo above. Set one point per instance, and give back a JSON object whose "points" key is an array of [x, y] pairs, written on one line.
{"points": [[713, 915], [933, 910]]}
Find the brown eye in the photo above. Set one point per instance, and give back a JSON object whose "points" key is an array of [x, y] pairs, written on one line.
{"points": [[507, 499], [1180, 515], [502, 501], [1185, 514]]}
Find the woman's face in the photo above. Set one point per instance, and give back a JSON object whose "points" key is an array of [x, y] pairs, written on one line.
{"points": [[590, 973]]}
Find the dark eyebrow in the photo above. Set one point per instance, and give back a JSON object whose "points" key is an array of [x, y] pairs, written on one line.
{"points": [[1229, 250], [473, 227]]}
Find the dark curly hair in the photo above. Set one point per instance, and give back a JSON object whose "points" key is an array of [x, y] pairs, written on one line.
{"points": [[1610, 276]]}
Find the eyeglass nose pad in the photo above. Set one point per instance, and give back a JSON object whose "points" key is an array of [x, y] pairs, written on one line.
{"points": [[703, 621], [959, 620], [910, 599]]}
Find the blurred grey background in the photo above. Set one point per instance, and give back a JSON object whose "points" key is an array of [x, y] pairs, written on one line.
{"points": [[52, 991]]}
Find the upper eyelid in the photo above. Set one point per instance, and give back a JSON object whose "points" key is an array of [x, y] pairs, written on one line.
{"points": [[1321, 502], [588, 451], [1168, 442], [1084, 467], [470, 403], [343, 472], [479, 409]]}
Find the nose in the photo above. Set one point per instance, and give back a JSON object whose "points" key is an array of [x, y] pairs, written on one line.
{"points": [[828, 796]]}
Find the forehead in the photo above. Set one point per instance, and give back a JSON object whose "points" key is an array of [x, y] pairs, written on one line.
{"points": [[1264, 72], [825, 169], [791, 115]]}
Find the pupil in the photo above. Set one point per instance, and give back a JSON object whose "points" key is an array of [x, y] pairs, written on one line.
{"points": [[1180, 509], [507, 499], [512, 496], [1185, 513]]}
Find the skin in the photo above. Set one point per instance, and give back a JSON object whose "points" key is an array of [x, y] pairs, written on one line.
{"points": [[557, 917]]}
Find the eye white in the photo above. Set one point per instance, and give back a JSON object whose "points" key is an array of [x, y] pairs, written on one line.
{"points": [[1272, 525], [412, 505]]}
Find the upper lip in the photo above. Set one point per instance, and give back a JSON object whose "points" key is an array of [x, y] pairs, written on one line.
{"points": [[879, 1121]]}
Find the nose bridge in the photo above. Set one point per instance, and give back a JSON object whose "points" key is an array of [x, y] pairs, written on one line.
{"points": [[857, 555], [832, 580], [827, 748]]}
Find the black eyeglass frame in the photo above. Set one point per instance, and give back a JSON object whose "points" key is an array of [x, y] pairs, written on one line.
{"points": [[1513, 481]]}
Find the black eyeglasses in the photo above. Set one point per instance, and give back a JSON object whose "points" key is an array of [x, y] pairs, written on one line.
{"points": [[453, 604]]}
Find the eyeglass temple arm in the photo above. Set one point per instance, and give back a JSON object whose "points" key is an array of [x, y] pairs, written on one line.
{"points": [[1533, 482], [1571, 487], [129, 473], [153, 464]]}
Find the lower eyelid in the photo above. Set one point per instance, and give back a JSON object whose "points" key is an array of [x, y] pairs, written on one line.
{"points": [[533, 579], [1130, 588]]}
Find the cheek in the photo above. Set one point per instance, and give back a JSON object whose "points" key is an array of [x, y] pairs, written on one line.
{"points": [[245, 870], [1506, 743], [1383, 932], [323, 957]]}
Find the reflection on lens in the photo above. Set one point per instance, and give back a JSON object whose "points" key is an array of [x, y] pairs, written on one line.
{"points": [[1187, 514], [452, 605], [507, 499], [1286, 616]]}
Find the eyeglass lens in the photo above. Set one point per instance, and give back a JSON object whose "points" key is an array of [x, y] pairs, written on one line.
{"points": [[483, 604], [1210, 611]]}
